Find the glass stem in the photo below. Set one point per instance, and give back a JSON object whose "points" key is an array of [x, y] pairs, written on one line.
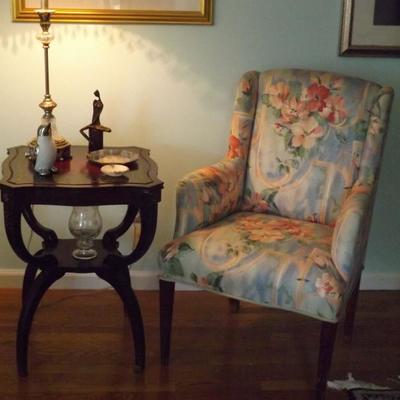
{"points": [[84, 243]]}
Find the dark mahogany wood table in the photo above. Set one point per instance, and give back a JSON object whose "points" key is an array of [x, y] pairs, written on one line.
{"points": [[78, 183]]}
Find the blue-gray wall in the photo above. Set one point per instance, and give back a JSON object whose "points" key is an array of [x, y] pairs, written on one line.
{"points": [[170, 88]]}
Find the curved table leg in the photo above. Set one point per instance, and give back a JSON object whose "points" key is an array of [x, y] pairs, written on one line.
{"points": [[12, 219], [48, 235], [111, 236], [29, 278], [119, 279], [33, 297], [148, 217]]}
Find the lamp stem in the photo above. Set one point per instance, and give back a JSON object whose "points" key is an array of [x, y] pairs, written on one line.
{"points": [[48, 104], [46, 70]]}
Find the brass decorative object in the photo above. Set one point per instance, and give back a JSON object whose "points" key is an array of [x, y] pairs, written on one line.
{"points": [[96, 130], [48, 104]]}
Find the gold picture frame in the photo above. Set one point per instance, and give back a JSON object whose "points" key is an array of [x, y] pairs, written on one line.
{"points": [[361, 36], [24, 11]]}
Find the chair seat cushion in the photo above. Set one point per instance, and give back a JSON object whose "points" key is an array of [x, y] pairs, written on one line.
{"points": [[266, 259]]}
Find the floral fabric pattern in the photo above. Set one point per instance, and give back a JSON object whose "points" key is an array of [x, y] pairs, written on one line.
{"points": [[243, 116], [261, 258], [352, 226], [310, 131], [208, 194], [350, 232], [283, 220]]}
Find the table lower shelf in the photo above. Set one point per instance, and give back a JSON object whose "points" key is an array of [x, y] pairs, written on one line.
{"points": [[67, 263], [36, 284]]}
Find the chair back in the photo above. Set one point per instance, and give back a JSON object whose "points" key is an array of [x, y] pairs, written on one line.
{"points": [[308, 137]]}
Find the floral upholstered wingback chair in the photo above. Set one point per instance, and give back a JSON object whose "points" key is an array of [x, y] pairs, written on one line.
{"points": [[283, 219]]}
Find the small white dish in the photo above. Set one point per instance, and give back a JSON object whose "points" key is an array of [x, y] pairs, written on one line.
{"points": [[114, 169]]}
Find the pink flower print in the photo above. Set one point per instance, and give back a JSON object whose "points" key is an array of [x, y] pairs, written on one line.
{"points": [[240, 126], [306, 132], [334, 110], [278, 94], [205, 195], [313, 218], [246, 86], [320, 258], [256, 203], [316, 96], [251, 222], [266, 236], [375, 125], [224, 187], [356, 154], [274, 230], [226, 179], [362, 189], [235, 148], [293, 110], [232, 178], [171, 251], [291, 227], [279, 128], [328, 80], [218, 250], [326, 286], [203, 281]]}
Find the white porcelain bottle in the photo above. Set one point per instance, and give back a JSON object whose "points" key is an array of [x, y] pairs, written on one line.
{"points": [[46, 152]]}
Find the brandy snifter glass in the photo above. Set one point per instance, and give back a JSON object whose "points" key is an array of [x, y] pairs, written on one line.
{"points": [[85, 224]]}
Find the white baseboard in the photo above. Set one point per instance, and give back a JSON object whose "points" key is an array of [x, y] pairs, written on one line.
{"points": [[380, 281], [141, 280], [148, 280]]}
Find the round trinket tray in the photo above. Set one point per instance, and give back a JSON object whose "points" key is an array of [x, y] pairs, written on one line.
{"points": [[112, 156]]}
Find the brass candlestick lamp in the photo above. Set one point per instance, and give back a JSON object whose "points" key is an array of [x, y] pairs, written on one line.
{"points": [[48, 104]]}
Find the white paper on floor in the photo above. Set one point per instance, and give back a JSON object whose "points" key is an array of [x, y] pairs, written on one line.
{"points": [[351, 383]]}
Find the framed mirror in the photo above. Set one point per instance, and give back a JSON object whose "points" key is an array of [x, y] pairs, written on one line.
{"points": [[119, 11]]}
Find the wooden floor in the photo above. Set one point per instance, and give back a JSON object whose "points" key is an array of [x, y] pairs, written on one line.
{"points": [[81, 349]]}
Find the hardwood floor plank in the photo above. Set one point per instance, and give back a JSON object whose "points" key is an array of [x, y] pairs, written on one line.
{"points": [[81, 348]]}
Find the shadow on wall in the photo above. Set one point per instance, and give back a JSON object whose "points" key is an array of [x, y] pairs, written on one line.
{"points": [[132, 38]]}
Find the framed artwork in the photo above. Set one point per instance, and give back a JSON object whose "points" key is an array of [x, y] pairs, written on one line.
{"points": [[370, 28], [119, 11]]}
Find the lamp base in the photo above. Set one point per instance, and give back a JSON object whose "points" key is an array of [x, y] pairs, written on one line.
{"points": [[63, 148]]}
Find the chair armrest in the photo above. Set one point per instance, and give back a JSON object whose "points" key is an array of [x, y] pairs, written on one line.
{"points": [[208, 194], [350, 234]]}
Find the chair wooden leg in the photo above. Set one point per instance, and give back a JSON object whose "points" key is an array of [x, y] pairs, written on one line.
{"points": [[234, 305], [167, 291], [350, 313], [327, 341]]}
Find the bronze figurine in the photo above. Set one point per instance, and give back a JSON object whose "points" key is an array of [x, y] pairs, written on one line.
{"points": [[95, 137]]}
